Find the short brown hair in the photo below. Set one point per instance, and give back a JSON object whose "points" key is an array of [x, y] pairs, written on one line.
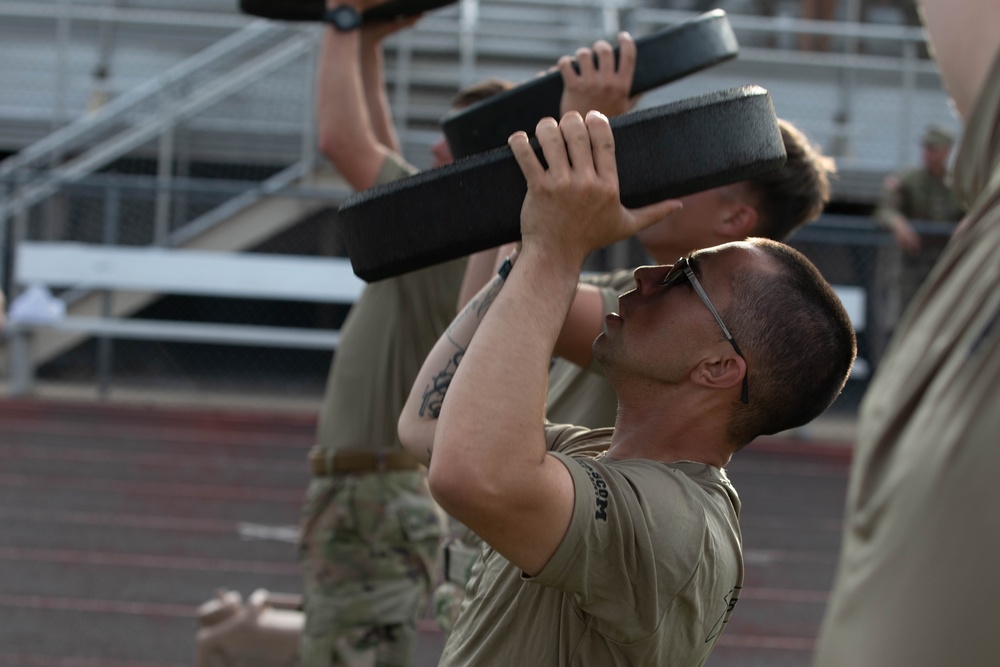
{"points": [[790, 197], [480, 91], [798, 340]]}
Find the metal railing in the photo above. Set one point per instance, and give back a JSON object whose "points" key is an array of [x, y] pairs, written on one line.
{"points": [[155, 120], [225, 121], [153, 112]]}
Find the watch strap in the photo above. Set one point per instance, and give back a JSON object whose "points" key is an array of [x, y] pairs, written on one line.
{"points": [[342, 17]]}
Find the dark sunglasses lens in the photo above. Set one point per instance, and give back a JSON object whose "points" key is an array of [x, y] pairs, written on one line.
{"points": [[676, 274]]}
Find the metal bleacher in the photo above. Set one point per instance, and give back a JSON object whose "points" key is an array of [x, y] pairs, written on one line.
{"points": [[865, 100], [183, 123]]}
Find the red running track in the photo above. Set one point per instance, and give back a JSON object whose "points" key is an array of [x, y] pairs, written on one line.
{"points": [[117, 521]]}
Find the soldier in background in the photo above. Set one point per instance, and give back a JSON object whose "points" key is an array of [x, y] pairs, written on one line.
{"points": [[370, 530], [918, 196]]}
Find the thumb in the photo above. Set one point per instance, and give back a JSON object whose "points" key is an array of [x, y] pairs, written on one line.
{"points": [[647, 215]]}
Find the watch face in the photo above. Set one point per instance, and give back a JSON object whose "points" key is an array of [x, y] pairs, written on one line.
{"points": [[343, 17]]}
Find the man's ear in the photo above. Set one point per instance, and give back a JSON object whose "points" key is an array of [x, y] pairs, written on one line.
{"points": [[739, 223], [720, 371]]}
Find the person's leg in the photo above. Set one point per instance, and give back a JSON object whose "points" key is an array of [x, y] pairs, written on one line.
{"points": [[367, 552]]}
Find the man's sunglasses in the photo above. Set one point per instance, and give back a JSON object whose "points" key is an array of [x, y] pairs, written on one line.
{"points": [[682, 271]]}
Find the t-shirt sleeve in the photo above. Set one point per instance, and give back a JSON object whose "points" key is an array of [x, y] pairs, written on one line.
{"points": [[633, 542]]}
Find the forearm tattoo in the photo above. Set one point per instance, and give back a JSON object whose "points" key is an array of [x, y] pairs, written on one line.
{"points": [[488, 298], [436, 389], [434, 392]]}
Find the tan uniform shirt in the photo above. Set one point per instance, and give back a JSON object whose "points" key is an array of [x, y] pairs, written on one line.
{"points": [[384, 341], [647, 573], [919, 196], [918, 578]]}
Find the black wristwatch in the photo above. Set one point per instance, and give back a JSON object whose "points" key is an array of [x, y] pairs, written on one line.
{"points": [[343, 18]]}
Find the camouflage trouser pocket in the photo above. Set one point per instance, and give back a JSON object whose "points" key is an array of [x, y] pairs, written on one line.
{"points": [[447, 605], [369, 528], [362, 624], [368, 548], [460, 558], [423, 526]]}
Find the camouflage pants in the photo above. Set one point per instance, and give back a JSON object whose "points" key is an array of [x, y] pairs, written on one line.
{"points": [[368, 549]]}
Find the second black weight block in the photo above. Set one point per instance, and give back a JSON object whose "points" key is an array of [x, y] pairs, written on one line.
{"points": [[661, 57], [312, 10], [475, 203]]}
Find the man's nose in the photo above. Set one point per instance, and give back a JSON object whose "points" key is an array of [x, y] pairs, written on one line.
{"points": [[648, 277]]}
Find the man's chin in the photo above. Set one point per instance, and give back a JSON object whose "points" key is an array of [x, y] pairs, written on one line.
{"points": [[602, 350]]}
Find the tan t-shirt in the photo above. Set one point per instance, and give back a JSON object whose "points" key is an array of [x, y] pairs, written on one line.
{"points": [[647, 573], [918, 579], [384, 341], [582, 396]]}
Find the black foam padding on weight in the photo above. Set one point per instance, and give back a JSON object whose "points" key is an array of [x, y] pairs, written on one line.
{"points": [[475, 203], [312, 10], [661, 57]]}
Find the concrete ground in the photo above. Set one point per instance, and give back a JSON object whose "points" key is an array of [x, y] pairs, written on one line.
{"points": [[117, 519]]}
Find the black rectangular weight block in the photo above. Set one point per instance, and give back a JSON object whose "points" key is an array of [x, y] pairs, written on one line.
{"points": [[661, 57], [312, 10], [475, 203]]}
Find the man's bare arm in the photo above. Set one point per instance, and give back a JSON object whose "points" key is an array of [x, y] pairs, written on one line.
{"points": [[373, 78], [418, 420], [345, 133], [490, 467], [479, 270], [354, 125], [584, 321], [603, 87]]}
